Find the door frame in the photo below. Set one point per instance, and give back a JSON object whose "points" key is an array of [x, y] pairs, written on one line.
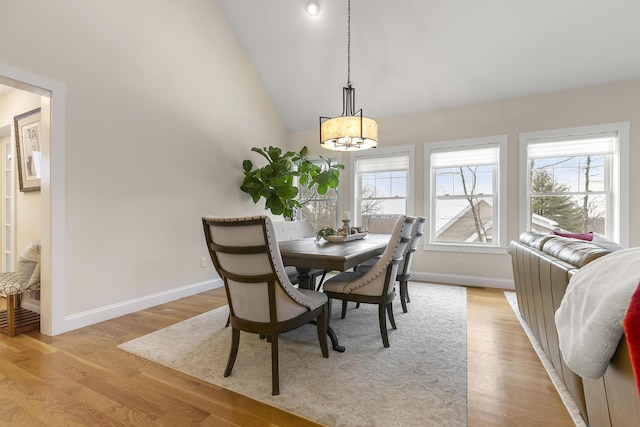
{"points": [[53, 194]]}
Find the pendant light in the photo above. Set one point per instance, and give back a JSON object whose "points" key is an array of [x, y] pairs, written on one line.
{"points": [[351, 131]]}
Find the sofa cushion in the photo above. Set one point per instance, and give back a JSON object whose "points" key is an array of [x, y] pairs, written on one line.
{"points": [[534, 240], [573, 251]]}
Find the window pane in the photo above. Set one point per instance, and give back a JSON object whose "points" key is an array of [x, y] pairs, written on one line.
{"points": [[318, 209], [569, 174], [464, 180], [381, 185], [462, 220], [320, 214], [575, 214]]}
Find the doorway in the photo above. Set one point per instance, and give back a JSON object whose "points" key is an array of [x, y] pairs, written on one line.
{"points": [[53, 228]]}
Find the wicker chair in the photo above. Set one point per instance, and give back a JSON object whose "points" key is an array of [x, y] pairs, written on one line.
{"points": [[261, 298], [16, 319]]}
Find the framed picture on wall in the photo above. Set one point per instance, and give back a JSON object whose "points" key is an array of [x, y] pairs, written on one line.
{"points": [[27, 130]]}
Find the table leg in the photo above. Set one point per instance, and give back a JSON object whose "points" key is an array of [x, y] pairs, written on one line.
{"points": [[334, 340], [304, 279], [333, 337]]}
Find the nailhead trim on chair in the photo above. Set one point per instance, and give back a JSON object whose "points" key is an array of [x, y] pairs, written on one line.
{"points": [[282, 275], [383, 270]]}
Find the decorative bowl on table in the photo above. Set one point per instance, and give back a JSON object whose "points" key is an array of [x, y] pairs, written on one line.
{"points": [[340, 238]]}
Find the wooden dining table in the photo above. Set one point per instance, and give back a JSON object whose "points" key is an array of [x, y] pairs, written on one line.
{"points": [[308, 253]]}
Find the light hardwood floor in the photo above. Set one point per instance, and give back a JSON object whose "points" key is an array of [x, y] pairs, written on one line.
{"points": [[81, 379]]}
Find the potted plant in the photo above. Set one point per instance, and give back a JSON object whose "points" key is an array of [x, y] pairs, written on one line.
{"points": [[277, 182]]}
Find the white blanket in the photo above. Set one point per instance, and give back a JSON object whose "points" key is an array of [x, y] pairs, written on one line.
{"points": [[589, 319]]}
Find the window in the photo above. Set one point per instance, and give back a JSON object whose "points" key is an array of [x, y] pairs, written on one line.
{"points": [[575, 180], [466, 181], [319, 209], [383, 183]]}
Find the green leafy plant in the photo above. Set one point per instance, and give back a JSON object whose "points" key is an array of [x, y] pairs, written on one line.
{"points": [[277, 181]]}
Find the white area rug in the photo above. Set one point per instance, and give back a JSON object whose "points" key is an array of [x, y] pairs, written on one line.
{"points": [[421, 380], [568, 401]]}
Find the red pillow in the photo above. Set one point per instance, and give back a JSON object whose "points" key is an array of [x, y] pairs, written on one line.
{"points": [[582, 236]]}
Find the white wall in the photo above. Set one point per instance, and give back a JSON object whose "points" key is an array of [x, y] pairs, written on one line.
{"points": [[589, 106], [27, 223], [162, 106]]}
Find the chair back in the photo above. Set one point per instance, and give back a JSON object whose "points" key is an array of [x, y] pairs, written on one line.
{"points": [[379, 279], [245, 254], [381, 224], [293, 230], [404, 269]]}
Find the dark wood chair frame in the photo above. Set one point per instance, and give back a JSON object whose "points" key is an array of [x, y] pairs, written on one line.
{"points": [[270, 329], [403, 279], [383, 301]]}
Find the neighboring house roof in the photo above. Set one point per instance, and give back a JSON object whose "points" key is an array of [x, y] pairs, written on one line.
{"points": [[542, 224], [455, 220]]}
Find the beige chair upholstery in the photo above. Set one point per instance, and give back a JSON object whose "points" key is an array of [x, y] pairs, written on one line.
{"points": [[375, 286], [404, 269], [26, 278], [381, 224], [294, 230], [261, 298]]}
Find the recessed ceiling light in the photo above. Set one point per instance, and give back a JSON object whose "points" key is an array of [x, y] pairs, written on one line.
{"points": [[313, 7]]}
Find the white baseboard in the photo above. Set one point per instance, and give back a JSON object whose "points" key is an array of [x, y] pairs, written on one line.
{"points": [[101, 314], [473, 281]]}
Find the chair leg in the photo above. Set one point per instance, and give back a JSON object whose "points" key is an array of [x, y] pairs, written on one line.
{"points": [[382, 317], [322, 330], [228, 321], [390, 313], [275, 377], [344, 308], [324, 274], [233, 353], [403, 295]]}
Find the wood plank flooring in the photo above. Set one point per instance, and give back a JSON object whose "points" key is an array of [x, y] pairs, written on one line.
{"points": [[81, 379]]}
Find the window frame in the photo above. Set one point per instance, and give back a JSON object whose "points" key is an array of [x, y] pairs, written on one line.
{"points": [[355, 200], [318, 159], [499, 244], [618, 198]]}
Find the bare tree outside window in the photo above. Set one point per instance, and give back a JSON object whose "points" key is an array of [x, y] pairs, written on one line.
{"points": [[464, 204]]}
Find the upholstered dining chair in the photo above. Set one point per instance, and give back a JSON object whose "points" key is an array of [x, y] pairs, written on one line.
{"points": [[13, 285], [404, 269], [261, 298], [375, 286]]}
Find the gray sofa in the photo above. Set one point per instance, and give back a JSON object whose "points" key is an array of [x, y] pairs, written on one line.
{"points": [[542, 267]]}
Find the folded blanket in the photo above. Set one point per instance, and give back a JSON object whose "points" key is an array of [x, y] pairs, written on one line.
{"points": [[589, 319], [632, 331]]}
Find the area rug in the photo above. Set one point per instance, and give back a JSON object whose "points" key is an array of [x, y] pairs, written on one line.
{"points": [[421, 379], [568, 401]]}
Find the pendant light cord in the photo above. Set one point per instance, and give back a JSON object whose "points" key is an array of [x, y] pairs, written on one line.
{"points": [[348, 42]]}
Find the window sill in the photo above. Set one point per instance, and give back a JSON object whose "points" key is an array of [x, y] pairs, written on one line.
{"points": [[466, 248]]}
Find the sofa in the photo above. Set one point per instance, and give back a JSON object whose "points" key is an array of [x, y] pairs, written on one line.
{"points": [[543, 264]]}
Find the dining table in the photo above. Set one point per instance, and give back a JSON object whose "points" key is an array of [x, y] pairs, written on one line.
{"points": [[311, 252], [305, 254]]}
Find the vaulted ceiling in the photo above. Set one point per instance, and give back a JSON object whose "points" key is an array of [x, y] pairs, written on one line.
{"points": [[419, 55]]}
